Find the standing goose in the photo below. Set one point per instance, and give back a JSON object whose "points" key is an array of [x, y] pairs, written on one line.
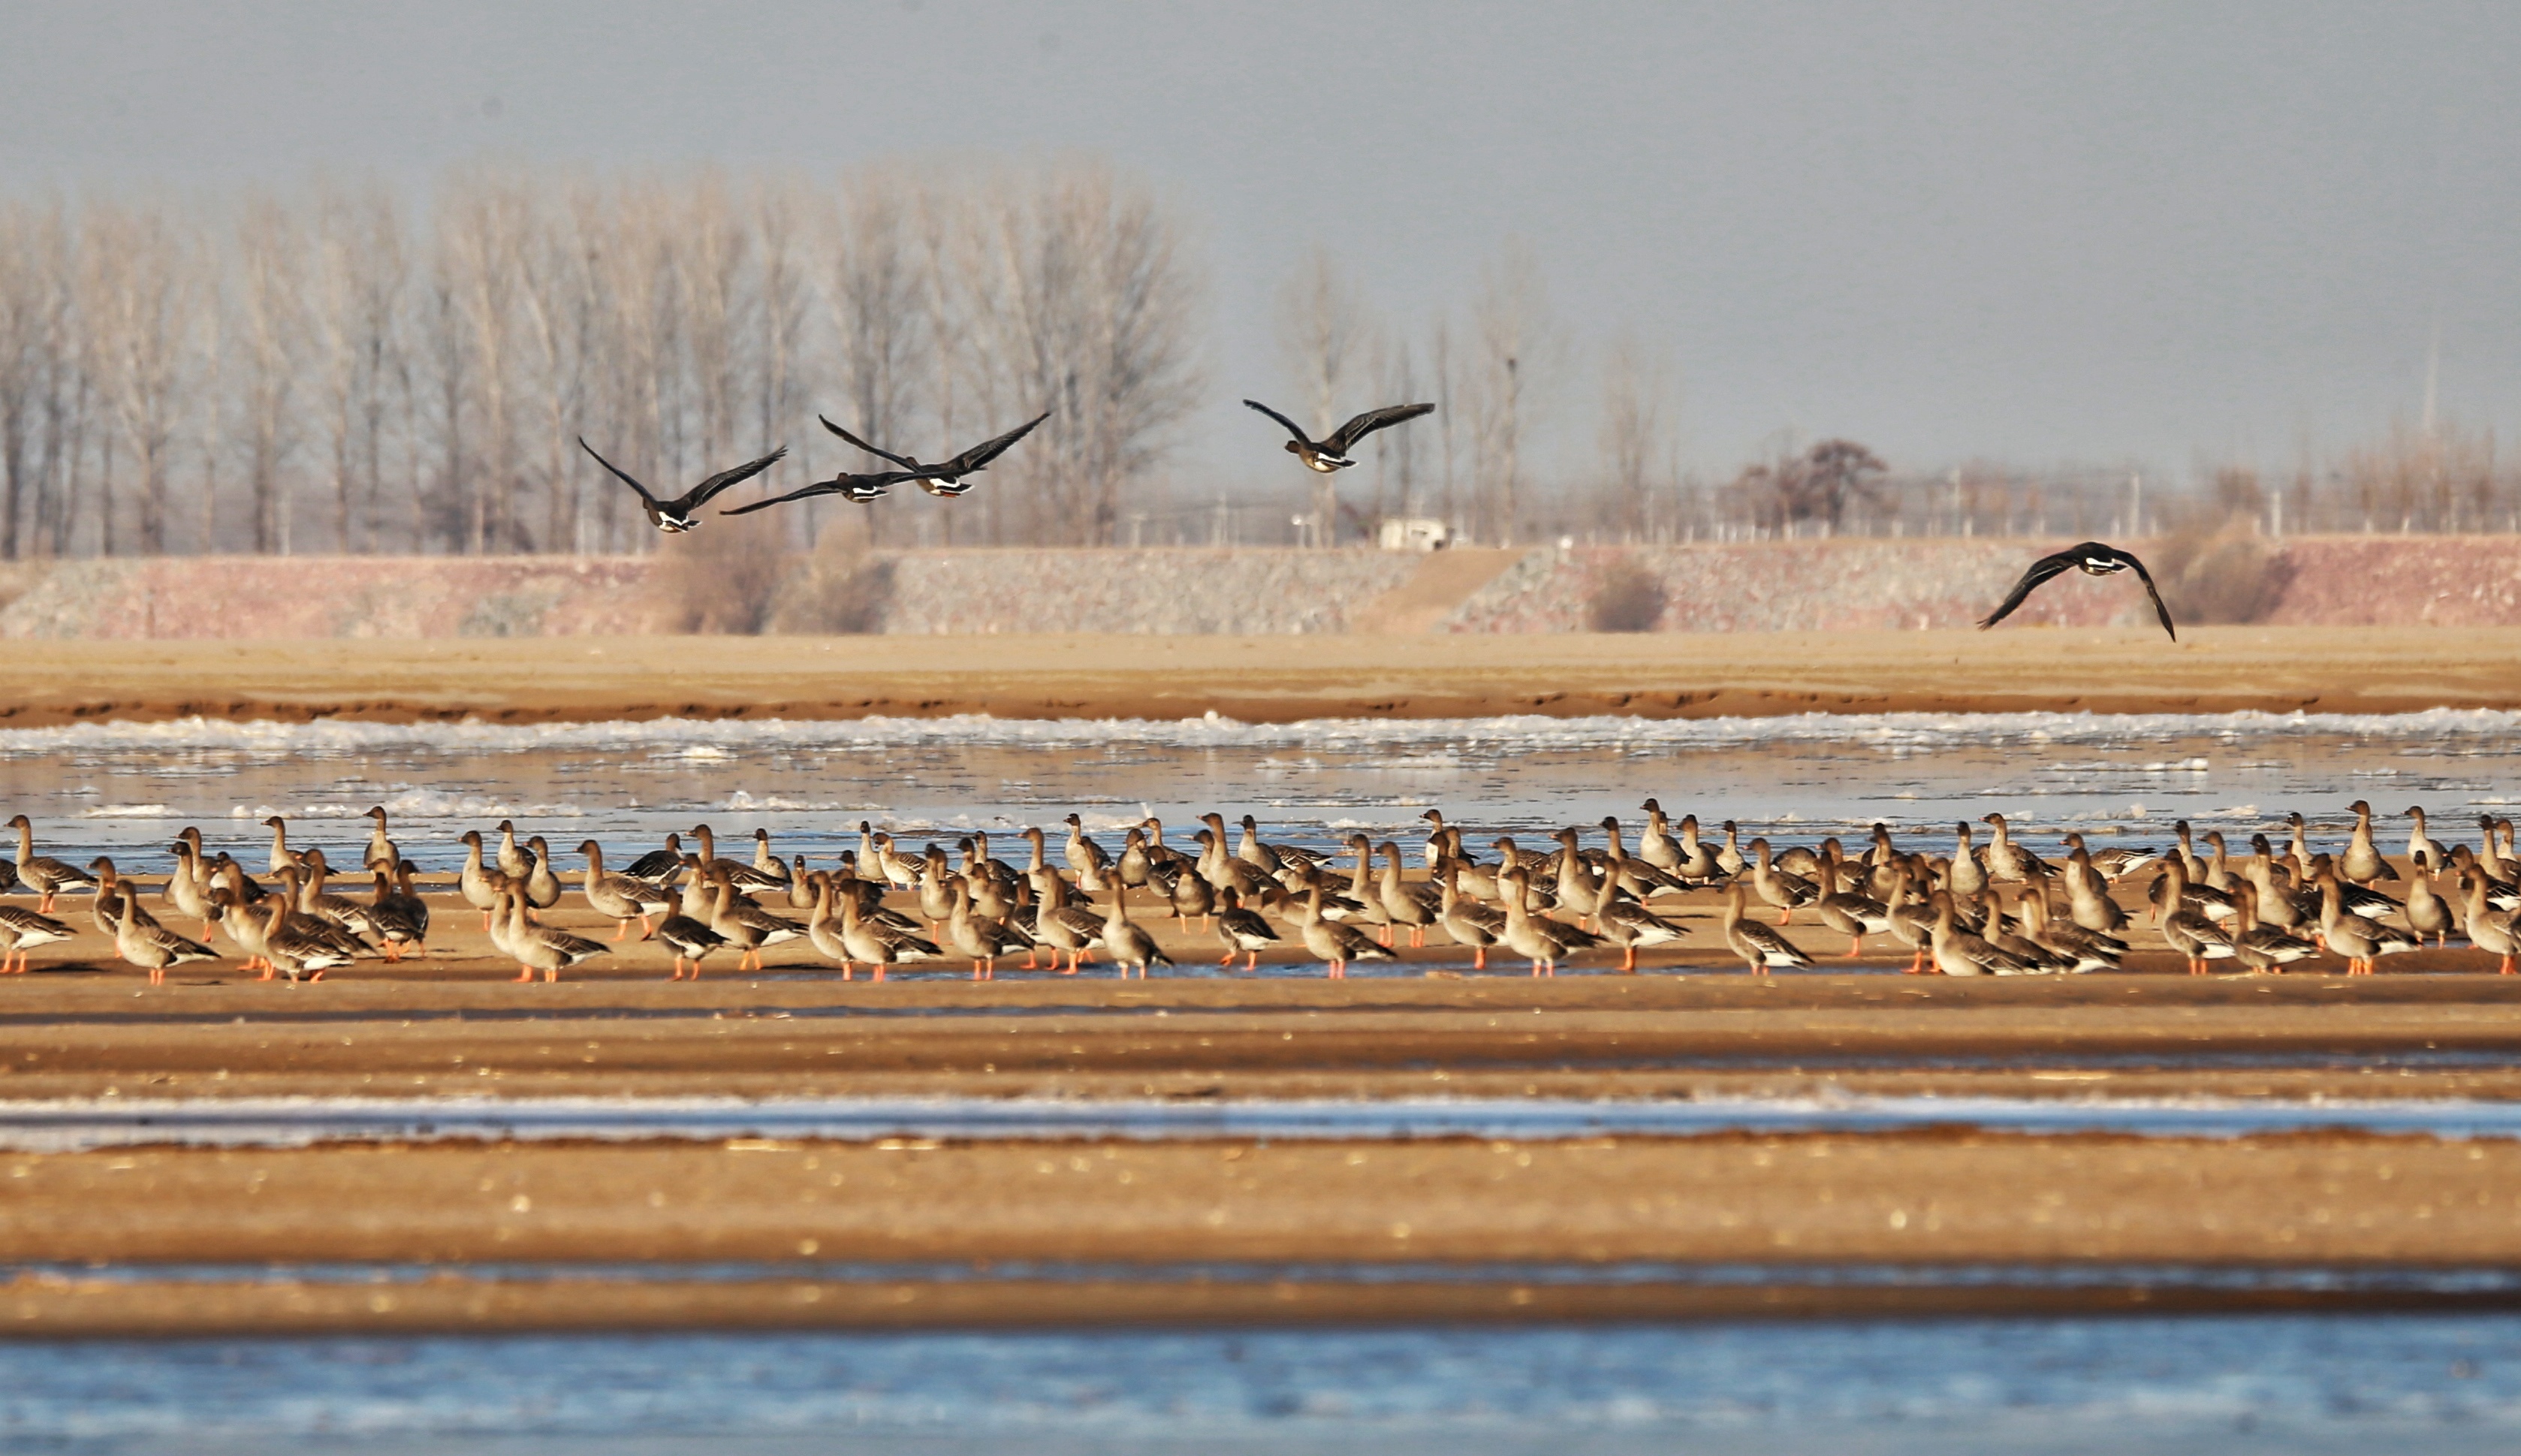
{"points": [[315, 900], [1848, 911], [946, 477], [1728, 858], [1633, 927], [1543, 941], [764, 861], [1411, 905], [880, 944], [658, 867], [2189, 931], [1656, 845], [1082, 854], [22, 930], [2428, 914], [2088, 903], [480, 885], [545, 948], [2006, 860], [1957, 951], [2359, 938], [541, 889], [281, 856], [290, 947], [2265, 949], [1760, 948], [381, 845], [109, 886], [1335, 944], [1060, 926], [1129, 946], [1330, 452], [1243, 933], [690, 940], [618, 897], [742, 874], [747, 925], [188, 888], [45, 876], [982, 939], [2487, 931], [2425, 852], [1469, 923], [1787, 893], [2093, 559], [2362, 862], [676, 515], [2087, 950], [395, 928], [1967, 878]]}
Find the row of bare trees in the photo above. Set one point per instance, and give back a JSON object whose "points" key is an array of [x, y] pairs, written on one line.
{"points": [[326, 372]]}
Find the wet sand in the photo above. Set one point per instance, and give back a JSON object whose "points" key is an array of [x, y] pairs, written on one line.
{"points": [[1281, 679]]}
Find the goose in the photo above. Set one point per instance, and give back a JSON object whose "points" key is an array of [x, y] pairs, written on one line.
{"points": [[381, 845], [1411, 905], [1061, 926], [1656, 845], [188, 888], [2362, 862], [2170, 893], [1540, 940], [2088, 950], [2093, 559], [1730, 860], [658, 867], [2189, 931], [2359, 938], [1967, 877], [1249, 848], [1630, 926], [1333, 943], [542, 887], [2278, 905], [287, 945], [946, 476], [860, 489], [108, 888], [1953, 950], [1222, 871], [1131, 948], [2428, 914], [22, 930], [2006, 860], [1699, 865], [2424, 851], [748, 926], [281, 856], [1787, 893], [45, 876], [744, 876], [982, 939], [2493, 845], [2487, 931], [1330, 452], [618, 897], [1158, 851], [801, 890], [1133, 869], [823, 929], [879, 944], [480, 885], [395, 928], [1243, 933], [938, 887], [766, 862], [406, 899], [2263, 949], [1849, 913], [2188, 859], [679, 513], [1760, 948], [2013, 938], [1193, 898], [1364, 896], [545, 948], [1912, 916], [1638, 878], [315, 900], [1466, 921], [2300, 852], [323, 928], [691, 940], [1084, 855], [2086, 904]]}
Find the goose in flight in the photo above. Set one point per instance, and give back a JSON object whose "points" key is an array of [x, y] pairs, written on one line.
{"points": [[948, 480], [1330, 452], [861, 489], [2093, 559], [673, 517]]}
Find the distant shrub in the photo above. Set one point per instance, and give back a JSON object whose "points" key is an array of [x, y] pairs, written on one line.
{"points": [[1626, 598], [2216, 574], [840, 587], [720, 579]]}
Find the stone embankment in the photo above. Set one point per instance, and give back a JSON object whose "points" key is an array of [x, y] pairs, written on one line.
{"points": [[1773, 586]]}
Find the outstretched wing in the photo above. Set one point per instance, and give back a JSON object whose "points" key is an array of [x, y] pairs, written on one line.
{"points": [[617, 472], [1301, 439], [860, 489], [2041, 570], [702, 493], [821, 488], [978, 456], [904, 461], [1371, 421], [2150, 590]]}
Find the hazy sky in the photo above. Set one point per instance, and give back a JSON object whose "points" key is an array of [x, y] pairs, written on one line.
{"points": [[2031, 231]]}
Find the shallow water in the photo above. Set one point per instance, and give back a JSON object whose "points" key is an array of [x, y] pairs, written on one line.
{"points": [[123, 787], [69, 1127], [2448, 1384]]}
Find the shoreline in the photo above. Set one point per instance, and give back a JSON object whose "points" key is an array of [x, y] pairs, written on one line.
{"points": [[1267, 679]]}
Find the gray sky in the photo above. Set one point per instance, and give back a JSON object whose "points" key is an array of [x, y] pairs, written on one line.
{"points": [[2025, 231]]}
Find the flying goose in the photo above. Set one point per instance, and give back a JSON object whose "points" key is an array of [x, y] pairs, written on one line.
{"points": [[2093, 559], [947, 479], [674, 517], [1330, 452]]}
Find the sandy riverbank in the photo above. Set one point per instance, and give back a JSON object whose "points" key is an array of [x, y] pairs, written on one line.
{"points": [[1275, 679]]}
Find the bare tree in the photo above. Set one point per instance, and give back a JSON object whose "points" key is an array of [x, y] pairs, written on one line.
{"points": [[358, 340], [1816, 486], [137, 294], [22, 304], [1323, 331], [271, 324], [1635, 390], [872, 295], [1517, 346]]}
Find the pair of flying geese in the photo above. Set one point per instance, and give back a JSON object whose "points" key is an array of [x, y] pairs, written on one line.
{"points": [[949, 478]]}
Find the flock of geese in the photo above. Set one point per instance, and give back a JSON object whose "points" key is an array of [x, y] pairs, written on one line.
{"points": [[1991, 909]]}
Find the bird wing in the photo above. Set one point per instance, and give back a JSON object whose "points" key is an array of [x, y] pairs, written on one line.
{"points": [[1292, 429], [819, 487], [903, 460], [700, 494], [618, 471], [1371, 421], [860, 489], [978, 456], [2150, 590], [2041, 570]]}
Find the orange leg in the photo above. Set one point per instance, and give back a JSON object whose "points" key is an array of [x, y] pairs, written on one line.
{"points": [[525, 972], [1252, 962]]}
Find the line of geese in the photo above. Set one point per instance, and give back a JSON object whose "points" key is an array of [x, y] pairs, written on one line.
{"points": [[1980, 910]]}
